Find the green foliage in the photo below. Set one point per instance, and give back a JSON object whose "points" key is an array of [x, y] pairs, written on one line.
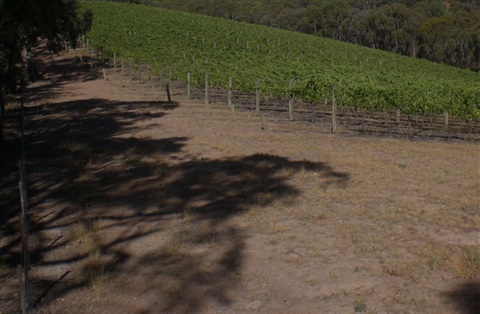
{"points": [[369, 79], [360, 308], [22, 24], [390, 25]]}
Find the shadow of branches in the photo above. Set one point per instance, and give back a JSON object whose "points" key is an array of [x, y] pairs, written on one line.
{"points": [[133, 216], [466, 297], [10, 249], [59, 71], [128, 191]]}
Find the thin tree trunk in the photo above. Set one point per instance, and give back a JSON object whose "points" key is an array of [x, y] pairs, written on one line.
{"points": [[2, 119], [414, 49]]}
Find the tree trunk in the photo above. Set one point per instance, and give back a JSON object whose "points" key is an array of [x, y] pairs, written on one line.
{"points": [[2, 118], [414, 49]]}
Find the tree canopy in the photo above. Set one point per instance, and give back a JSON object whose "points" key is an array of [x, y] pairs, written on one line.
{"points": [[22, 24]]}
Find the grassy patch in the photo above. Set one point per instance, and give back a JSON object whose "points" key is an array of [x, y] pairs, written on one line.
{"points": [[95, 272], [174, 250], [410, 270], [360, 307], [85, 233], [463, 260]]}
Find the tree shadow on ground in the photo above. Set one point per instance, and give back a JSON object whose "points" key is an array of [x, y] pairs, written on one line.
{"points": [[9, 204], [10, 250], [138, 215], [203, 258], [123, 190], [65, 140], [466, 297], [60, 71]]}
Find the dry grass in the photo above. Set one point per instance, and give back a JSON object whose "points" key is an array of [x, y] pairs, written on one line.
{"points": [[95, 272], [395, 236], [462, 260], [187, 214], [174, 249], [85, 235], [390, 222]]}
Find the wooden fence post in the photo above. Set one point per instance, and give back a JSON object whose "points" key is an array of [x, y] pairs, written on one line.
{"points": [[290, 101], [257, 95], [115, 61], [140, 73], [169, 97], [23, 305], [446, 120], [161, 77], [189, 78], [230, 103], [207, 104], [262, 119], [398, 116], [229, 93], [140, 77], [234, 114], [104, 74], [154, 90], [130, 75], [334, 111]]}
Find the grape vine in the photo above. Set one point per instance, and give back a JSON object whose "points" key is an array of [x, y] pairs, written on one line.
{"points": [[365, 78]]}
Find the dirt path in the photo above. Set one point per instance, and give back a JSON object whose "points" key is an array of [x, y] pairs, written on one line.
{"points": [[142, 206]]}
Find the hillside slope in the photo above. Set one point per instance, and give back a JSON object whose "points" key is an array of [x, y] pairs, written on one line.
{"points": [[177, 43]]}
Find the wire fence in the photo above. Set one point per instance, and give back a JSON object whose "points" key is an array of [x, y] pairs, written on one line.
{"points": [[280, 110], [24, 267], [347, 120], [340, 119]]}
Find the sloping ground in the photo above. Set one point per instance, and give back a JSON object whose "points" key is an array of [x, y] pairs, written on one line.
{"points": [[142, 206]]}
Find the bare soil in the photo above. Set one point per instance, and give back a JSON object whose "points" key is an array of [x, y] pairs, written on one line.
{"points": [[143, 206]]}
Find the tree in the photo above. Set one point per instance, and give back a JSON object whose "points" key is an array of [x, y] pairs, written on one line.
{"points": [[430, 8], [395, 28], [435, 34], [335, 19], [22, 24]]}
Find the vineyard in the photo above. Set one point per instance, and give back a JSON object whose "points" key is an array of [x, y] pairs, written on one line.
{"points": [[175, 43], [143, 205], [184, 164]]}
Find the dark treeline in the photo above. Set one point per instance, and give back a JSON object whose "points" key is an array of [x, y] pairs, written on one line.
{"points": [[22, 24], [445, 31]]}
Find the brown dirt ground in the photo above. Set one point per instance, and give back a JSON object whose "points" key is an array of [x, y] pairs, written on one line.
{"points": [[141, 206]]}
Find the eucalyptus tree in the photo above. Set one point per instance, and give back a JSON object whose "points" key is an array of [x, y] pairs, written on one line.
{"points": [[22, 24]]}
